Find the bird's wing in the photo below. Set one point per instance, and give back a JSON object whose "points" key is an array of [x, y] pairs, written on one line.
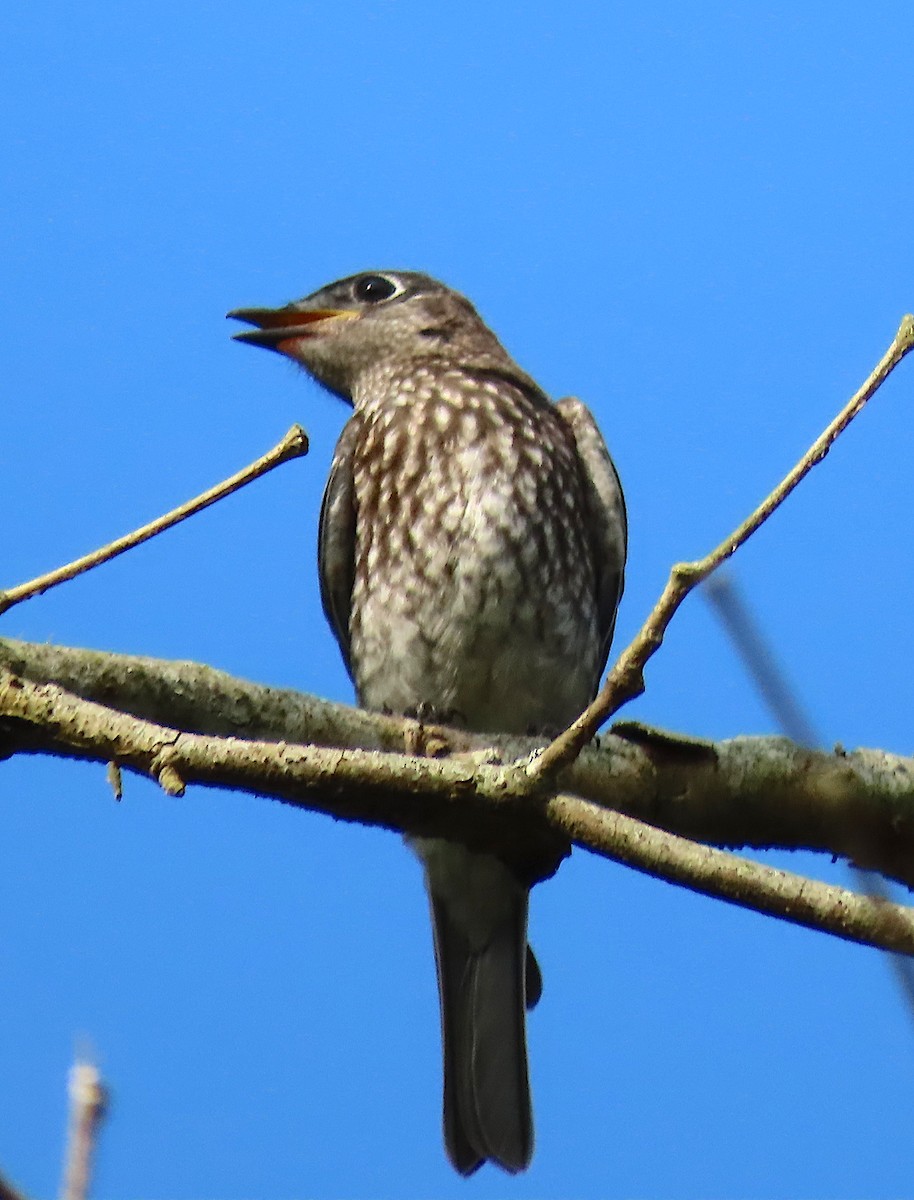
{"points": [[609, 523], [336, 539]]}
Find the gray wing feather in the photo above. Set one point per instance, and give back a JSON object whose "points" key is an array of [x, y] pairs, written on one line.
{"points": [[336, 539], [609, 522]]}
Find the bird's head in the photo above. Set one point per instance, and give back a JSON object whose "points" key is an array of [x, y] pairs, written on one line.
{"points": [[362, 322]]}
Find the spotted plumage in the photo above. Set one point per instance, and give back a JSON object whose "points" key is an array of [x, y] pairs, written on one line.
{"points": [[472, 548]]}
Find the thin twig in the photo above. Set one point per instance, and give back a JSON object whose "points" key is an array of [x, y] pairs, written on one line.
{"points": [[293, 445], [758, 657], [771, 681], [88, 1101], [626, 679]]}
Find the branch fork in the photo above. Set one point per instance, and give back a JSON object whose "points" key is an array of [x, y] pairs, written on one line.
{"points": [[481, 785]]}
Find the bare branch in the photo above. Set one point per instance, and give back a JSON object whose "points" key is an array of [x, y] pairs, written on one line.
{"points": [[88, 1101], [855, 918], [471, 797], [755, 792], [393, 790], [626, 679], [293, 445], [505, 809], [201, 699]]}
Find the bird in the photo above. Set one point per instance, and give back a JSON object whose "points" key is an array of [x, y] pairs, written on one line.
{"points": [[472, 547]]}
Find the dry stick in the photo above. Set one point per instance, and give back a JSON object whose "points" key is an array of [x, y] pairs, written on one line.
{"points": [[88, 1101], [626, 679], [293, 445]]}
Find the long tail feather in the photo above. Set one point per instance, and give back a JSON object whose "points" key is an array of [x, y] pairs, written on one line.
{"points": [[487, 1109]]}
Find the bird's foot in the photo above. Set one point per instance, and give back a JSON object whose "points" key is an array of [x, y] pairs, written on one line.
{"points": [[423, 741], [431, 714]]}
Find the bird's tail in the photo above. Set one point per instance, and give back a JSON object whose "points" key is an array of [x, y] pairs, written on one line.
{"points": [[487, 1110]]}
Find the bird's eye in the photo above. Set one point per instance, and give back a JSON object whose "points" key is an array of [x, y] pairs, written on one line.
{"points": [[372, 288]]}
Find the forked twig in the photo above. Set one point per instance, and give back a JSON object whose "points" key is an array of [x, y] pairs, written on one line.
{"points": [[293, 445], [626, 679]]}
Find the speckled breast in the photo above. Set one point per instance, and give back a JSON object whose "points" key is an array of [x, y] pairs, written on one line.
{"points": [[474, 586]]}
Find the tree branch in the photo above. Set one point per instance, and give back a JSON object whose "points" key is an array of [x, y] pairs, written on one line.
{"points": [[88, 1105], [471, 796], [626, 679], [762, 793], [861, 805], [293, 445], [866, 919]]}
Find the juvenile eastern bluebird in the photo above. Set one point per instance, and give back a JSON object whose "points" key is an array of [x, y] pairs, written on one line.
{"points": [[472, 549]]}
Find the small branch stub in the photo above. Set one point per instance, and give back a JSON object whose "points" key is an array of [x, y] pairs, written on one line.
{"points": [[116, 780], [170, 781]]}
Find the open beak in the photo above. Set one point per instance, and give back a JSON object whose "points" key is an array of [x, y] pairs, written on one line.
{"points": [[277, 326]]}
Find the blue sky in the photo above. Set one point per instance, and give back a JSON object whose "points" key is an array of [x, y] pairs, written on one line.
{"points": [[697, 218]]}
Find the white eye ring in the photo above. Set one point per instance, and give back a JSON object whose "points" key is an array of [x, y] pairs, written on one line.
{"points": [[372, 289]]}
